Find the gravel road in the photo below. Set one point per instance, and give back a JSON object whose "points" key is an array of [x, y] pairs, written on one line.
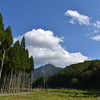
{"points": [[1, 95]]}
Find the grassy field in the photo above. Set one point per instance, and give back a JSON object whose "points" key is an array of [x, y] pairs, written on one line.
{"points": [[55, 94]]}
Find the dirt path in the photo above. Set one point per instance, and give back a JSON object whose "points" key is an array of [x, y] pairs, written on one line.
{"points": [[1, 95]]}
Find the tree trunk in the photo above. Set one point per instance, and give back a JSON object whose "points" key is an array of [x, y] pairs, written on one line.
{"points": [[31, 80], [5, 90], [18, 79], [7, 84], [19, 82], [2, 62], [10, 81], [23, 84], [28, 85], [12, 86], [14, 82], [3, 87]]}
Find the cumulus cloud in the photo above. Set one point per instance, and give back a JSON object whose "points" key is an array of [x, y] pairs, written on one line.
{"points": [[96, 38], [46, 48], [77, 17], [41, 38]]}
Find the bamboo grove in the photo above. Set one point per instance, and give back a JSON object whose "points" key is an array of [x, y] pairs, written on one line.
{"points": [[15, 65]]}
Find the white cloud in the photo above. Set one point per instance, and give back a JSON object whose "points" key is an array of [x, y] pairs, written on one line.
{"points": [[45, 48], [77, 17], [97, 24], [96, 38], [96, 31], [41, 38], [17, 38], [93, 27]]}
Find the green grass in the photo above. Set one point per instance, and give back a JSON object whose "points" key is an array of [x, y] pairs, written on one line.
{"points": [[55, 94]]}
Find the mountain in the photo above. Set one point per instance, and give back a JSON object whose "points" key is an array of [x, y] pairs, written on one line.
{"points": [[45, 71]]}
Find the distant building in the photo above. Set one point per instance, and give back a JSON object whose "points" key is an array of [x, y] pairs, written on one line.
{"points": [[39, 87]]}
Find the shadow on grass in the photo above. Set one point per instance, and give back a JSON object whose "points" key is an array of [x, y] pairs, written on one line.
{"points": [[94, 93], [77, 93]]}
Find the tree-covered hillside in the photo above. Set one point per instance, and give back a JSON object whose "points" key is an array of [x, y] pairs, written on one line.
{"points": [[45, 71], [81, 75]]}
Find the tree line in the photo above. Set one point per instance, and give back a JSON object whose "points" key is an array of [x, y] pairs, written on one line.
{"points": [[85, 75], [16, 65]]}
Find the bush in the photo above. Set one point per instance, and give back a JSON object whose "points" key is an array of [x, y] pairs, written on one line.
{"points": [[74, 83]]}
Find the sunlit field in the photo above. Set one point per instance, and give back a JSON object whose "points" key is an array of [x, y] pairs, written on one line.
{"points": [[55, 94]]}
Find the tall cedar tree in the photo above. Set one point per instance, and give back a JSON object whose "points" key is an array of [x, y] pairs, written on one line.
{"points": [[27, 64], [5, 72], [2, 35], [5, 42], [31, 69], [14, 61], [22, 58], [2, 38]]}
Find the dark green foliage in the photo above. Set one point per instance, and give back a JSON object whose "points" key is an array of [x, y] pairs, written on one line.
{"points": [[6, 41], [74, 83], [1, 22], [31, 64], [14, 61], [39, 81], [23, 43], [2, 37], [91, 76], [8, 38], [27, 61], [23, 55], [14, 55], [81, 75]]}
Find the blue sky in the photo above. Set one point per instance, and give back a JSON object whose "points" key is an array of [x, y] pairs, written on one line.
{"points": [[61, 32]]}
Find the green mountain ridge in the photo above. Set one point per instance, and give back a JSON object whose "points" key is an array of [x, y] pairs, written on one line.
{"points": [[85, 75], [45, 71]]}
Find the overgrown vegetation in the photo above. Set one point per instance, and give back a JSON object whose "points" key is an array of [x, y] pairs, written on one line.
{"points": [[55, 94]]}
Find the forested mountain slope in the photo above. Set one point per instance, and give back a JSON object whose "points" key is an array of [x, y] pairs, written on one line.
{"points": [[81, 75], [45, 71]]}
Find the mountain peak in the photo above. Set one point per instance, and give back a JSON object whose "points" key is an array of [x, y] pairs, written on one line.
{"points": [[45, 71], [48, 65]]}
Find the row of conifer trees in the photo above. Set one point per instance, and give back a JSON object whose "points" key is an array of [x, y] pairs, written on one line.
{"points": [[16, 65]]}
